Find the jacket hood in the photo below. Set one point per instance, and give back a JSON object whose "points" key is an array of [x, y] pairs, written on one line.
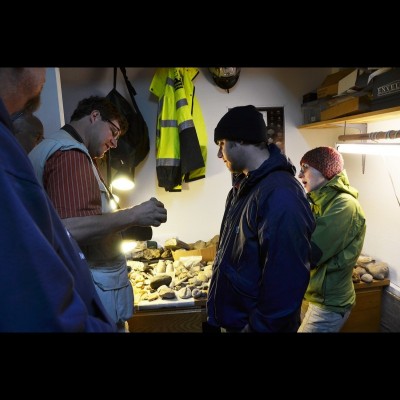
{"points": [[4, 115], [340, 183], [276, 162]]}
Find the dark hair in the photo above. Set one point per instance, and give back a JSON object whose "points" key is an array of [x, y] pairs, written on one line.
{"points": [[104, 107]]}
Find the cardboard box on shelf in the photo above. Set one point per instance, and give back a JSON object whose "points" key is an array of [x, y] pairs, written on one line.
{"points": [[207, 254], [349, 105], [385, 102], [386, 90], [338, 83], [312, 110], [308, 97], [386, 84]]}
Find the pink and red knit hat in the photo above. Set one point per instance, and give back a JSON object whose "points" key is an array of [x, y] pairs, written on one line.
{"points": [[326, 160]]}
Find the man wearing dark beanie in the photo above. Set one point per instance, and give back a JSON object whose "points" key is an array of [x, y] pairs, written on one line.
{"points": [[262, 266], [336, 242], [242, 123]]}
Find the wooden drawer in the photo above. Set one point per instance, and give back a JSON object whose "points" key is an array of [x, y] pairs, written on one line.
{"points": [[188, 319], [366, 314]]}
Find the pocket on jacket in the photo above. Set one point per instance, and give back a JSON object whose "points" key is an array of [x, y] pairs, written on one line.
{"points": [[110, 279], [243, 286]]}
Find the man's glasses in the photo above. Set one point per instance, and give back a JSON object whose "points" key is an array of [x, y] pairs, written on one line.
{"points": [[115, 132], [16, 115]]}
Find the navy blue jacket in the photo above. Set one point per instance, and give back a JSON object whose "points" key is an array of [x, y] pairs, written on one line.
{"points": [[261, 269], [45, 283]]}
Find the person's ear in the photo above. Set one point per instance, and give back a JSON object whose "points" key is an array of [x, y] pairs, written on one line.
{"points": [[94, 115]]}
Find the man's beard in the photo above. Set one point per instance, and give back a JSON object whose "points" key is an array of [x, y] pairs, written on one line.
{"points": [[33, 104]]}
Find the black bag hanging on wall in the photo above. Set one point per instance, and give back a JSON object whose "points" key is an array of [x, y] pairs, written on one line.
{"points": [[134, 146]]}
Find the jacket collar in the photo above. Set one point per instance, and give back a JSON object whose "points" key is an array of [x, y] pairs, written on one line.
{"points": [[5, 116]]}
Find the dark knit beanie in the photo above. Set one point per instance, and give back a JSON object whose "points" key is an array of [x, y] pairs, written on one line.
{"points": [[326, 160], [242, 123]]}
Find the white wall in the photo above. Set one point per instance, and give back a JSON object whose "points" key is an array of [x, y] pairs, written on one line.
{"points": [[379, 188], [196, 212]]}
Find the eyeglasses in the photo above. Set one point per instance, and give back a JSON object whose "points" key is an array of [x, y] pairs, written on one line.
{"points": [[17, 115], [304, 168], [117, 132]]}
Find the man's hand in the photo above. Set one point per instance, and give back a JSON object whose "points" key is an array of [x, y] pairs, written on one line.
{"points": [[150, 213]]}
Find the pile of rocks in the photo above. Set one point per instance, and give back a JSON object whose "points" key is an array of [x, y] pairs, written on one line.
{"points": [[167, 279], [367, 269]]}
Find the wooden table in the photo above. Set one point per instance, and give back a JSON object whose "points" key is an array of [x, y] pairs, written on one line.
{"points": [[365, 317], [170, 319]]}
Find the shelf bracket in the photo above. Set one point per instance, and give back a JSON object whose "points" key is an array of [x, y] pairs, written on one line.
{"points": [[363, 157], [362, 129]]}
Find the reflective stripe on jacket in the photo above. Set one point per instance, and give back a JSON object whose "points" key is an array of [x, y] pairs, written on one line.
{"points": [[181, 137]]}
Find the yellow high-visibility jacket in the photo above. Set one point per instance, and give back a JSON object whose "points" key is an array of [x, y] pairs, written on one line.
{"points": [[181, 137]]}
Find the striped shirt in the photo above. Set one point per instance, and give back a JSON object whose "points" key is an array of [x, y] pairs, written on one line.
{"points": [[71, 184]]}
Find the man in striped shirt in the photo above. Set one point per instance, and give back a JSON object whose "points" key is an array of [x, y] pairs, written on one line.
{"points": [[65, 164]]}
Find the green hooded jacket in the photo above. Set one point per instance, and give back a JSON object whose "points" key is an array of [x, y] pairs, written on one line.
{"points": [[337, 242]]}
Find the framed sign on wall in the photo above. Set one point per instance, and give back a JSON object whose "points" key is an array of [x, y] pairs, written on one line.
{"points": [[275, 121]]}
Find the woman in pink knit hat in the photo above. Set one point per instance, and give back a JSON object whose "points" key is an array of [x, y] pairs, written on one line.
{"points": [[336, 242]]}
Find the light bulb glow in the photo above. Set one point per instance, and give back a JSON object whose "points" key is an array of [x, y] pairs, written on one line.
{"points": [[128, 245], [387, 149], [123, 184]]}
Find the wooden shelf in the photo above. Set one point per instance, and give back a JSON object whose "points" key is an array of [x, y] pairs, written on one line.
{"points": [[362, 118], [374, 283]]}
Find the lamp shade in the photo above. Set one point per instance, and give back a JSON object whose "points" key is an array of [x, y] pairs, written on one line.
{"points": [[123, 163], [124, 177]]}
